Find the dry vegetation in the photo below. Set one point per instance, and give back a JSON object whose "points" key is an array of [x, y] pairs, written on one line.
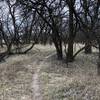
{"points": [[77, 81]]}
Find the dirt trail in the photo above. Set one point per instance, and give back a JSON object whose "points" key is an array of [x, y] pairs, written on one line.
{"points": [[20, 75], [36, 84]]}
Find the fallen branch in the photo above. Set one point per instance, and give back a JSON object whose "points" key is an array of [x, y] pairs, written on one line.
{"points": [[79, 51], [3, 56], [29, 48]]}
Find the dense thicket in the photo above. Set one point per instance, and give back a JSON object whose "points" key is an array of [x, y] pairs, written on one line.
{"points": [[58, 22]]}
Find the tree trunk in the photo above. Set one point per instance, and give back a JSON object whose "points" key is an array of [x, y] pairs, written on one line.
{"points": [[98, 64], [71, 36], [70, 51], [58, 47], [57, 40], [1, 43], [9, 49], [88, 47]]}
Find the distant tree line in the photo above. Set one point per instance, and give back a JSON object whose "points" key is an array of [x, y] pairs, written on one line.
{"points": [[58, 22]]}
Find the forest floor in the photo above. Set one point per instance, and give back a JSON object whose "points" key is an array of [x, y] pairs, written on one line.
{"points": [[38, 75]]}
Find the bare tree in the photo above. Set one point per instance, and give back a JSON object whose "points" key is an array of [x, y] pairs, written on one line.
{"points": [[49, 12]]}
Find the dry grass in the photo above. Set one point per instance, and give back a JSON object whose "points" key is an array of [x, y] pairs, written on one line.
{"points": [[15, 78], [77, 81], [17, 72]]}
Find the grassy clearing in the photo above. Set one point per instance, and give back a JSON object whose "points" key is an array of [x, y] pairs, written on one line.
{"points": [[16, 74], [15, 79], [77, 81]]}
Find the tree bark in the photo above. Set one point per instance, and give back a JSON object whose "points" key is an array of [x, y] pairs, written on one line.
{"points": [[58, 46], [71, 35], [98, 64], [88, 47]]}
